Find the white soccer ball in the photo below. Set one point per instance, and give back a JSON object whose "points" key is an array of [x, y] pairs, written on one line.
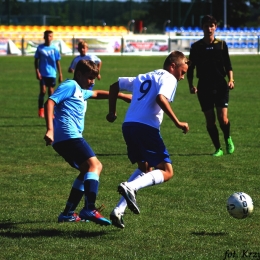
{"points": [[240, 205]]}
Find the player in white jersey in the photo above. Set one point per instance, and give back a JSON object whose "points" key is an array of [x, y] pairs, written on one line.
{"points": [[64, 132], [152, 93], [83, 49]]}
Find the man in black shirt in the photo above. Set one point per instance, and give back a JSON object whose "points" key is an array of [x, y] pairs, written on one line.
{"points": [[211, 58]]}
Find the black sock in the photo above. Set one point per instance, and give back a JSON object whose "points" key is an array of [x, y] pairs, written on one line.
{"points": [[91, 190], [76, 194], [41, 101], [226, 130], [73, 200], [213, 133]]}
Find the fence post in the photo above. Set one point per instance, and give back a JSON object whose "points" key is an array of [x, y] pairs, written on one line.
{"points": [[122, 45], [73, 44], [22, 44]]}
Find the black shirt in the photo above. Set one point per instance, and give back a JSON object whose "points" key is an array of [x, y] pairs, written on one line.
{"points": [[211, 60]]}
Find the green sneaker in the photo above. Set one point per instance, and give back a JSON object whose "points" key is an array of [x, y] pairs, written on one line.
{"points": [[218, 152], [229, 145]]}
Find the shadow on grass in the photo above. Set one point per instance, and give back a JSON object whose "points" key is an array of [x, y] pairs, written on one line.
{"points": [[192, 154], [6, 226], [31, 126], [110, 154], [213, 234]]}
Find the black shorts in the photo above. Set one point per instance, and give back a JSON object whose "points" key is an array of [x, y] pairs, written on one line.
{"points": [[75, 151], [48, 82], [213, 94]]}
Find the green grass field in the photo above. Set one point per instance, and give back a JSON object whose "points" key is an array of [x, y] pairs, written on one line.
{"points": [[185, 218]]}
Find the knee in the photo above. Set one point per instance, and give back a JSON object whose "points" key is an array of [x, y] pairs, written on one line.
{"points": [[99, 166], [168, 173], [225, 121]]}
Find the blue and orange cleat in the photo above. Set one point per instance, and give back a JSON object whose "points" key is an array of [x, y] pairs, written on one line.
{"points": [[94, 216]]}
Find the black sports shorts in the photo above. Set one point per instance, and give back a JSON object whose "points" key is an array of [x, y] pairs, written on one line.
{"points": [[48, 82], [213, 93]]}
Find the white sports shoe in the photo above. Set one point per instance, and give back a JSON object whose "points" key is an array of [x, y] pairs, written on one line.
{"points": [[116, 218], [129, 195]]}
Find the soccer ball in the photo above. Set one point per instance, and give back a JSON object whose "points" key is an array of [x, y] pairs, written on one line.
{"points": [[240, 205]]}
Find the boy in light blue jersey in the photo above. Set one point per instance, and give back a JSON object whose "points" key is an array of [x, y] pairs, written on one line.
{"points": [[83, 49], [64, 133], [46, 63], [152, 93]]}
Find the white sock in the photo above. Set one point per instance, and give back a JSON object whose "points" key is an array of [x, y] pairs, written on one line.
{"points": [[122, 202], [151, 178]]}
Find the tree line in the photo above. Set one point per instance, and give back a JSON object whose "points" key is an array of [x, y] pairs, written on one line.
{"points": [[154, 14]]}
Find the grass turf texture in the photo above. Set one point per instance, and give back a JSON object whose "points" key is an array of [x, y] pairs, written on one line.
{"points": [[185, 218]]}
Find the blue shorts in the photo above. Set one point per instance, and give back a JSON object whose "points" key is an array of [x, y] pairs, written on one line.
{"points": [[48, 82], [144, 144], [75, 151]]}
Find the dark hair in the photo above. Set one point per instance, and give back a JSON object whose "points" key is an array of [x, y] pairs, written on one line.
{"points": [[176, 57], [87, 67], [47, 32], [208, 19]]}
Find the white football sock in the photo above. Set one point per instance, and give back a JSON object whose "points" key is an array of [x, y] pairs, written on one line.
{"points": [[151, 178], [122, 202]]}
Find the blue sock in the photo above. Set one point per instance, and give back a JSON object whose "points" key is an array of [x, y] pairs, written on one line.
{"points": [[76, 194], [91, 183]]}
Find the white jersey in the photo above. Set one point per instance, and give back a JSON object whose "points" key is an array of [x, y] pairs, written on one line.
{"points": [[91, 57], [145, 88]]}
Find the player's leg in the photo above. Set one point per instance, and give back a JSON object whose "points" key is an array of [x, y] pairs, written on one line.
{"points": [[224, 123], [213, 131], [206, 100], [41, 98], [92, 169], [50, 84], [66, 150], [116, 216], [79, 155], [146, 145]]}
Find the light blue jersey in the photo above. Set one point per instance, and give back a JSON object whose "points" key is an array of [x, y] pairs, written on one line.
{"points": [[48, 56], [69, 110]]}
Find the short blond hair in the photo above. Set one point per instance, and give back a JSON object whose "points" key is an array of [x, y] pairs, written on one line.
{"points": [[81, 44], [176, 57]]}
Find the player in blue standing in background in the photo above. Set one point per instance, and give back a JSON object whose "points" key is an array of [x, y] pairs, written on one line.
{"points": [[46, 63], [64, 133], [83, 49], [152, 93], [211, 58]]}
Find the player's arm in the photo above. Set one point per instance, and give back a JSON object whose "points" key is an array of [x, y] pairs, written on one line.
{"points": [[72, 66], [48, 114], [99, 68], [37, 71], [165, 106], [231, 81], [113, 95], [103, 94], [228, 67], [190, 73], [126, 97], [59, 70]]}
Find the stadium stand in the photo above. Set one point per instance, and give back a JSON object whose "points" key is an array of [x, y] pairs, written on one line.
{"points": [[37, 31]]}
